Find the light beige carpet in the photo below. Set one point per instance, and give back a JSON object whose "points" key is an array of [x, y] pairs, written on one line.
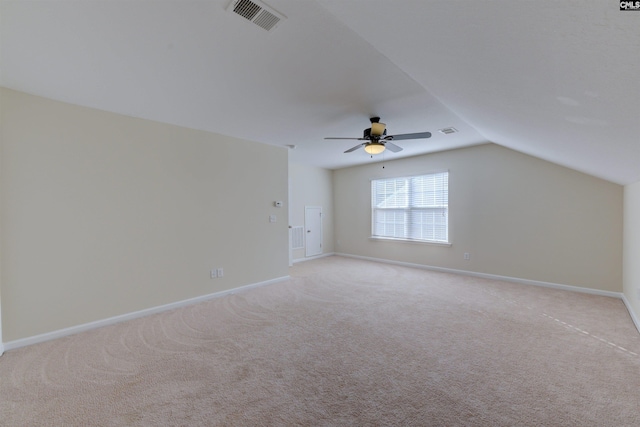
{"points": [[343, 343]]}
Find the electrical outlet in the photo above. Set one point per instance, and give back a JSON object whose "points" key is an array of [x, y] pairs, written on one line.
{"points": [[214, 273], [467, 256], [220, 272]]}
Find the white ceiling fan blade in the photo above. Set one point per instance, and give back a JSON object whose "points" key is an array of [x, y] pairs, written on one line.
{"points": [[418, 135], [354, 148], [392, 147]]}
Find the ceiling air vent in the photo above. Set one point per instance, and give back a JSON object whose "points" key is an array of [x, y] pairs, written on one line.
{"points": [[257, 12], [448, 131]]}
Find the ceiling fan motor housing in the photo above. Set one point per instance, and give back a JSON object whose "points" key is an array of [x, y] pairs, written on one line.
{"points": [[367, 134]]}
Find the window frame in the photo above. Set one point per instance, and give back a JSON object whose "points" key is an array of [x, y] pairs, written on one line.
{"points": [[410, 207]]}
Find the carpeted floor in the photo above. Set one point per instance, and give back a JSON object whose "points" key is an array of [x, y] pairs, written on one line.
{"points": [[343, 343]]}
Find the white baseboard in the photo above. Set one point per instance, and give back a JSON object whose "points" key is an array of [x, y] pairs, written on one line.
{"points": [[492, 276], [11, 345], [618, 295], [632, 313], [295, 261]]}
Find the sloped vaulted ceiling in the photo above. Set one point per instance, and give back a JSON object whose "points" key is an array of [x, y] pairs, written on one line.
{"points": [[555, 79]]}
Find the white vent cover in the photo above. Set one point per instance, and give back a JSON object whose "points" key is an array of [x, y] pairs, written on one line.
{"points": [[257, 12], [297, 237], [448, 131]]}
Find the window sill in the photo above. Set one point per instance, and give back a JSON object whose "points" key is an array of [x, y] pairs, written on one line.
{"points": [[417, 242]]}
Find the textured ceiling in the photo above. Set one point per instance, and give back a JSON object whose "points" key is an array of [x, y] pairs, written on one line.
{"points": [[555, 79]]}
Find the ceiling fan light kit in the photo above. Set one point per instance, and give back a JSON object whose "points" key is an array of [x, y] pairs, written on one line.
{"points": [[378, 140], [374, 148]]}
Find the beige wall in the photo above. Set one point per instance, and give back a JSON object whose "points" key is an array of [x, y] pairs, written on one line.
{"points": [[516, 215], [312, 186], [632, 247], [1, 214], [105, 214]]}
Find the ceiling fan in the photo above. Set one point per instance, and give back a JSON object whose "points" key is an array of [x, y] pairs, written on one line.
{"points": [[377, 139]]}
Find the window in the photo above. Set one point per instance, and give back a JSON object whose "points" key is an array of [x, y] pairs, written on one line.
{"points": [[411, 208]]}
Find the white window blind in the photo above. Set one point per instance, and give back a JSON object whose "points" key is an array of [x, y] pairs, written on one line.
{"points": [[411, 208]]}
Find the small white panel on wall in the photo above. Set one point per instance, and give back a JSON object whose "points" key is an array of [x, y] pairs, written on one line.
{"points": [[297, 237]]}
